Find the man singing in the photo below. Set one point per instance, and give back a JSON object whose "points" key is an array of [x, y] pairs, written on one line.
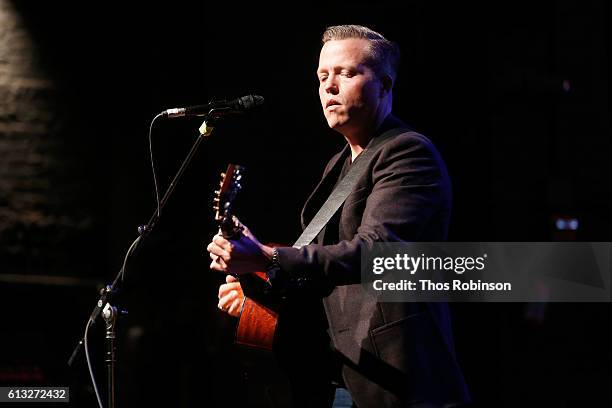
{"points": [[335, 335]]}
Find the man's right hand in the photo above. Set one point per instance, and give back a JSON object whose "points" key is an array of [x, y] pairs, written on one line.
{"points": [[231, 296]]}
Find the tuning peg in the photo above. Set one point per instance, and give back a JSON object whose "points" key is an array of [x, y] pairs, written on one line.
{"points": [[217, 192], [222, 175], [216, 200]]}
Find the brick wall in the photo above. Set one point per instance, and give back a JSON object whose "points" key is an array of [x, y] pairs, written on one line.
{"points": [[42, 217]]}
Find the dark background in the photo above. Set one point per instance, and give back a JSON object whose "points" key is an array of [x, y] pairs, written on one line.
{"points": [[516, 97]]}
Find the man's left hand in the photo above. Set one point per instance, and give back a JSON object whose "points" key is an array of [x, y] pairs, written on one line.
{"points": [[239, 256]]}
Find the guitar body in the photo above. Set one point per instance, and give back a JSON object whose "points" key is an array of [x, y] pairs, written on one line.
{"points": [[257, 324], [256, 337]]}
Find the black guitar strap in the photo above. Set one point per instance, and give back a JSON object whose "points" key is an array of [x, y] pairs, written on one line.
{"points": [[344, 188]]}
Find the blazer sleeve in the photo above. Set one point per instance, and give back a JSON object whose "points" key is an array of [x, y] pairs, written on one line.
{"points": [[409, 187]]}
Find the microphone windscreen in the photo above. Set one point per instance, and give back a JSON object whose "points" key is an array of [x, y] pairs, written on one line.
{"points": [[251, 101]]}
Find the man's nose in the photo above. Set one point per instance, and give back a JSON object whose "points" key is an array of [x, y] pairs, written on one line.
{"points": [[331, 86]]}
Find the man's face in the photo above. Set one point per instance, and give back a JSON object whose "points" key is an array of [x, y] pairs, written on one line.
{"points": [[350, 91]]}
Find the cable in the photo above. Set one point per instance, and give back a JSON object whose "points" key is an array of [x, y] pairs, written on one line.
{"points": [[125, 259], [153, 165], [121, 274], [91, 374], [127, 255]]}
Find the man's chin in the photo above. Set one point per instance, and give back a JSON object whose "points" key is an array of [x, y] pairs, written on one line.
{"points": [[335, 124]]}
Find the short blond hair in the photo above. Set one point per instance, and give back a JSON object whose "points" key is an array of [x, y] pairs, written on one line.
{"points": [[384, 54]]}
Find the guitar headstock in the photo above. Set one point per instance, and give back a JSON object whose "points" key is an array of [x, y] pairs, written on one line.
{"points": [[230, 185]]}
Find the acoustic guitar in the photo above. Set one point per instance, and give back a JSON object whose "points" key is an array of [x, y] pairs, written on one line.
{"points": [[259, 318]]}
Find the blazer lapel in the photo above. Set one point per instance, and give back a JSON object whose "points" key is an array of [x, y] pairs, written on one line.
{"points": [[325, 186]]}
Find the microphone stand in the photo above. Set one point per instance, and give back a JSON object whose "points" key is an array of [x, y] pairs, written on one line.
{"points": [[110, 312], [110, 317]]}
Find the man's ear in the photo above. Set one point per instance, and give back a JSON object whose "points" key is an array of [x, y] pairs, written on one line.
{"points": [[387, 84]]}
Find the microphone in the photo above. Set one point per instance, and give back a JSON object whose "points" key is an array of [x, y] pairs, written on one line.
{"points": [[220, 108]]}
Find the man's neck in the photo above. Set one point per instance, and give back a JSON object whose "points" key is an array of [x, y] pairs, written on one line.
{"points": [[356, 149], [359, 140]]}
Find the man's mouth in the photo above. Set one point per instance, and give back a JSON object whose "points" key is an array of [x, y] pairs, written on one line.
{"points": [[331, 102]]}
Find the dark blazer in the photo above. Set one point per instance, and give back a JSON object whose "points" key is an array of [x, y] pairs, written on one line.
{"points": [[392, 354]]}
